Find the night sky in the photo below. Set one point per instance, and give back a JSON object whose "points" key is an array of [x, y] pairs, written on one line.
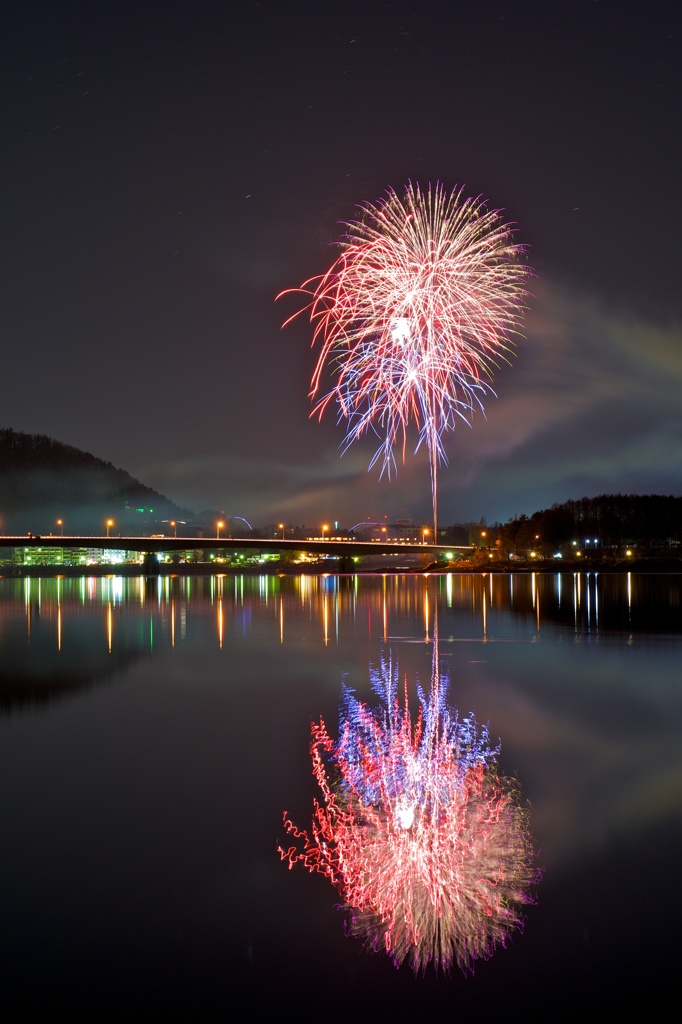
{"points": [[168, 168]]}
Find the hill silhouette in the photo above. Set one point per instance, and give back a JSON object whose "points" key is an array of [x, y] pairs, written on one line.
{"points": [[43, 480], [649, 520]]}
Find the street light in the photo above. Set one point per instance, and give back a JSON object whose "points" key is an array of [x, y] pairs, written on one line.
{"points": [[219, 526], [280, 526], [175, 527], [324, 530], [60, 524], [110, 523], [425, 533]]}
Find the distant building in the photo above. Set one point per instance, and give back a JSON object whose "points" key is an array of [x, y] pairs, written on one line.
{"points": [[49, 556]]}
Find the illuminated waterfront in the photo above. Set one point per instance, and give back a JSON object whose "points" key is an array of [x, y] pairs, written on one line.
{"points": [[153, 731]]}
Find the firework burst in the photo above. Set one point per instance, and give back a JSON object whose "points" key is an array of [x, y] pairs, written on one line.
{"points": [[425, 298], [427, 845]]}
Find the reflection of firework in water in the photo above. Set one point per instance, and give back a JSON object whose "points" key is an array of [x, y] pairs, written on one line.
{"points": [[427, 845], [413, 315]]}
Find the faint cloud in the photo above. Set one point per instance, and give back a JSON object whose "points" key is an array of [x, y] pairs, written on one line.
{"points": [[590, 405], [593, 402]]}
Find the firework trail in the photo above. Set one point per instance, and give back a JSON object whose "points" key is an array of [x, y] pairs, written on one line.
{"points": [[428, 847], [413, 316]]}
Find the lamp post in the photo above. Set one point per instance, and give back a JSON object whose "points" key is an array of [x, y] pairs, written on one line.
{"points": [[219, 526], [280, 526], [110, 523], [60, 524], [175, 527], [425, 533], [325, 528]]}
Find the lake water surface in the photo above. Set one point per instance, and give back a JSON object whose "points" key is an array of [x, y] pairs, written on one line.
{"points": [[152, 732]]}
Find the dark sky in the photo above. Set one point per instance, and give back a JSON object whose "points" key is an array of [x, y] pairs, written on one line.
{"points": [[168, 168]]}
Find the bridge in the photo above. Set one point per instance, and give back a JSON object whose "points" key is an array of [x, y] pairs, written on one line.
{"points": [[340, 548]]}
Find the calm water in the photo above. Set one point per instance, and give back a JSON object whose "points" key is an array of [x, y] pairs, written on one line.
{"points": [[153, 732]]}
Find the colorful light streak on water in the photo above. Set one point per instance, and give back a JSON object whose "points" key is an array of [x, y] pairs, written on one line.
{"points": [[427, 845], [490, 607]]}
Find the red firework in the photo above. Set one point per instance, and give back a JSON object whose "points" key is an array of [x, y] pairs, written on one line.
{"points": [[413, 316]]}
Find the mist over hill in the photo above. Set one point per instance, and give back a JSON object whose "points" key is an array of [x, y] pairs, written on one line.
{"points": [[43, 480]]}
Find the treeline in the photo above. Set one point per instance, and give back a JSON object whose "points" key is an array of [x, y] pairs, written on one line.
{"points": [[43, 480], [609, 520]]}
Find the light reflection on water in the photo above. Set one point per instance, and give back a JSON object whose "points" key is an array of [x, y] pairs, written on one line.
{"points": [[153, 730], [426, 843], [487, 606]]}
